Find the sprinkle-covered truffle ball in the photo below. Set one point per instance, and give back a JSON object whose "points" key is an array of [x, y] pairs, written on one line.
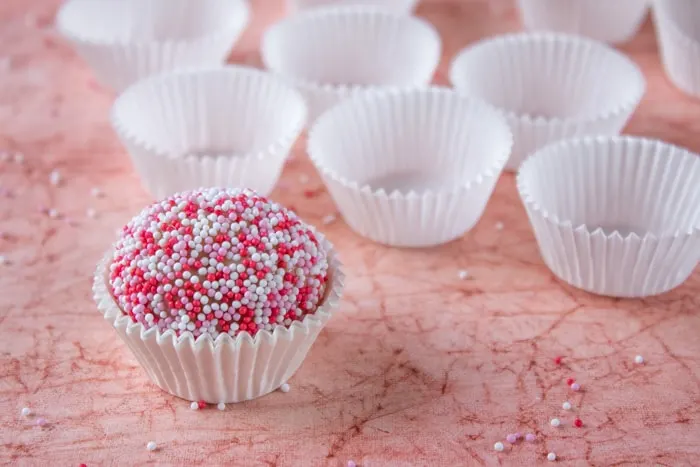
{"points": [[217, 261]]}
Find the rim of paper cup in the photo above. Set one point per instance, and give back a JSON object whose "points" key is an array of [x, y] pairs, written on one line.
{"points": [[507, 40], [561, 146], [491, 170], [410, 5], [292, 132], [668, 20], [237, 21], [109, 308], [368, 10]]}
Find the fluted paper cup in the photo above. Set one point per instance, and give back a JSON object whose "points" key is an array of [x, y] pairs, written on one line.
{"points": [[227, 369], [678, 31], [550, 86], [124, 41], [399, 6], [332, 54], [612, 21], [410, 168], [225, 126], [615, 216]]}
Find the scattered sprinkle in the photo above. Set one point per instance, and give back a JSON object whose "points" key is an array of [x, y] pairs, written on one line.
{"points": [[463, 274], [639, 360], [151, 446], [329, 219], [82, 465], [41, 421], [499, 225], [202, 405], [53, 214], [91, 213], [26, 411], [557, 360], [285, 387], [518, 435], [19, 158], [352, 464], [499, 446], [511, 438], [194, 406], [3, 260], [55, 177], [303, 179], [555, 422], [575, 387], [570, 381], [96, 192], [310, 193], [530, 437], [578, 423], [551, 457], [566, 405], [221, 406]]}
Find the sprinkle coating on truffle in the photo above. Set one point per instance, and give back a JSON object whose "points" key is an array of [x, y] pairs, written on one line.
{"points": [[215, 261]]}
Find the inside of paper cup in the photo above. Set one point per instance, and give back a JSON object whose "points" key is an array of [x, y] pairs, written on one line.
{"points": [[353, 47], [414, 142], [685, 14], [547, 78], [145, 20], [617, 188]]}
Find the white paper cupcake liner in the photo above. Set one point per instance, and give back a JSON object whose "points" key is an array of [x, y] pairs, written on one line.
{"points": [[616, 216], [398, 6], [612, 21], [124, 41], [677, 25], [331, 54], [225, 126], [550, 86], [410, 168], [226, 369]]}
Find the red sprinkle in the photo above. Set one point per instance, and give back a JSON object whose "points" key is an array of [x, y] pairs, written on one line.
{"points": [[578, 423], [82, 465], [570, 381], [201, 404], [557, 360]]}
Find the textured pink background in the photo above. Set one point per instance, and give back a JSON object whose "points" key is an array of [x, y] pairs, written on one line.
{"points": [[419, 368]]}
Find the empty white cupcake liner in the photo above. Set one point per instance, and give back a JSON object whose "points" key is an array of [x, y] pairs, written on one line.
{"points": [[616, 216], [331, 54], [398, 6], [124, 41], [410, 168], [550, 86], [676, 24], [225, 126], [226, 369], [612, 21]]}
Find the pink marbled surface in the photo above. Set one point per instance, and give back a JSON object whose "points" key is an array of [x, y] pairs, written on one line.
{"points": [[419, 368]]}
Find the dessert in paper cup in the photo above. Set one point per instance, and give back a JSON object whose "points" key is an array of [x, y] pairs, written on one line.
{"points": [[229, 126], [219, 293], [550, 86], [332, 54], [612, 21], [677, 25], [399, 6], [124, 41], [616, 216], [410, 168]]}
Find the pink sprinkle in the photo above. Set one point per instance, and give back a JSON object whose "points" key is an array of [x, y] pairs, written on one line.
{"points": [[41, 421], [575, 387], [352, 464], [511, 438], [530, 437]]}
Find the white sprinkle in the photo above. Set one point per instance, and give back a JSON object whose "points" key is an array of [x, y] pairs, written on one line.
{"points": [[463, 274], [53, 214], [303, 179], [285, 387], [96, 192], [566, 405], [55, 177], [151, 446], [499, 446], [194, 406], [19, 158], [26, 411], [221, 406], [551, 457], [91, 213], [499, 225], [638, 359], [555, 422], [329, 219], [3, 260]]}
